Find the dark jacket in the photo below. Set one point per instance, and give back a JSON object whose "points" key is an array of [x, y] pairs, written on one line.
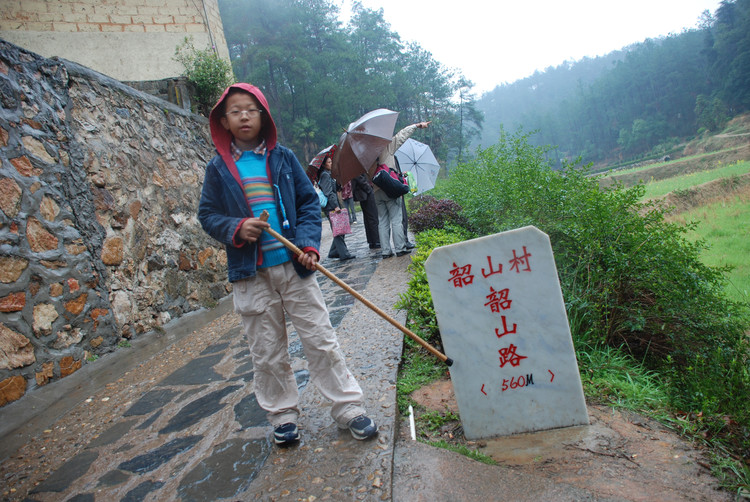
{"points": [[361, 188], [329, 187], [223, 205]]}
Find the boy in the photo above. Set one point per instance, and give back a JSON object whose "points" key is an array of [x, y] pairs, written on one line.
{"points": [[251, 173]]}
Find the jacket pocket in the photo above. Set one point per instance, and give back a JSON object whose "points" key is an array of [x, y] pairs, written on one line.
{"points": [[250, 297]]}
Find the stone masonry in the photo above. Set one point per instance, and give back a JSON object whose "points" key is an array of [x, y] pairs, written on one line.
{"points": [[99, 240], [129, 40]]}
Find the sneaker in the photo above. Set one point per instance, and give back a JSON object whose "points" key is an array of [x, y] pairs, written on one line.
{"points": [[362, 427], [402, 253], [387, 255], [410, 245], [286, 434]]}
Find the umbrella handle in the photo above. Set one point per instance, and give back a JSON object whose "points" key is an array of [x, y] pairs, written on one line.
{"points": [[297, 251]]}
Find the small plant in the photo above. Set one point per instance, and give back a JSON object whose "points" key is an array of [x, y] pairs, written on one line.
{"points": [[417, 301], [434, 420], [206, 71], [434, 213], [124, 344], [417, 370], [91, 357], [463, 450]]}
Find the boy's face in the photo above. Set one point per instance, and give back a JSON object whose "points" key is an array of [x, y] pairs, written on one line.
{"points": [[243, 117]]}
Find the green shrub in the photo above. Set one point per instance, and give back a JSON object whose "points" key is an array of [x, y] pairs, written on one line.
{"points": [[417, 301], [631, 279], [432, 213], [640, 280], [206, 71]]}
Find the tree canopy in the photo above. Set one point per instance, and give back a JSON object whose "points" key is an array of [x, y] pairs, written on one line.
{"points": [[636, 101], [320, 75]]}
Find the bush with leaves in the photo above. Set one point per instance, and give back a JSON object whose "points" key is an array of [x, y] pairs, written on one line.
{"points": [[630, 278], [429, 212], [206, 72], [417, 301]]}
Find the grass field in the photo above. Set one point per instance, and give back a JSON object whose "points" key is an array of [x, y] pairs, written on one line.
{"points": [[724, 226], [663, 187]]}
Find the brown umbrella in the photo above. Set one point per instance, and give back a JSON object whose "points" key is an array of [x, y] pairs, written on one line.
{"points": [[361, 144], [314, 167]]}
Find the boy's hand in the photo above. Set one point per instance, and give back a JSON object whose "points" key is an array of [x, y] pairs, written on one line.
{"points": [[308, 260], [251, 229]]}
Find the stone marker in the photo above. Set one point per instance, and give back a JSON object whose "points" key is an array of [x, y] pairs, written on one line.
{"points": [[502, 320]]}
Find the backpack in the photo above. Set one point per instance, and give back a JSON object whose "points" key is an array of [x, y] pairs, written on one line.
{"points": [[390, 181], [321, 197]]}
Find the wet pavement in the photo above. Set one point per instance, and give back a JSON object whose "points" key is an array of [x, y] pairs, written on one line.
{"points": [[174, 417], [182, 422]]}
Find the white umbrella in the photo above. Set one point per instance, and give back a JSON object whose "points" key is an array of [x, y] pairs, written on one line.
{"points": [[417, 158], [361, 144]]}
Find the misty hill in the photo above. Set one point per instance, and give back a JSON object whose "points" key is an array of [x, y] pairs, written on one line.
{"points": [[636, 102]]}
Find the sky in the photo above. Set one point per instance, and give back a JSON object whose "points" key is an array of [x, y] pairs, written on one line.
{"points": [[497, 41]]}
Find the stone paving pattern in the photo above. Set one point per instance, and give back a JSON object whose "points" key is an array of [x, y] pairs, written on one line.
{"points": [[189, 428], [174, 418]]}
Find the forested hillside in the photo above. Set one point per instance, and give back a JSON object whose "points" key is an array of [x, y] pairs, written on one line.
{"points": [[635, 102], [320, 75]]}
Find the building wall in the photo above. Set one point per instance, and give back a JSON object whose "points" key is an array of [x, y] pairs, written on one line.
{"points": [[128, 40], [99, 237]]}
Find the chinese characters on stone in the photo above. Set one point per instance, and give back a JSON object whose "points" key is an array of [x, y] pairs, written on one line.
{"points": [[498, 301]]}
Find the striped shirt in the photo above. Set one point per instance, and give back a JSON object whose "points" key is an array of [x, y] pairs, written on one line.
{"points": [[261, 195]]}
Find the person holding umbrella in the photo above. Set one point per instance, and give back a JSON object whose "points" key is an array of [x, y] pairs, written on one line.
{"points": [[328, 185], [363, 193], [347, 198], [252, 175], [390, 214]]}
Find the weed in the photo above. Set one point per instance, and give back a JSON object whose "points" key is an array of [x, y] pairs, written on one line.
{"points": [[433, 420], [206, 71], [124, 343], [463, 450], [417, 369]]}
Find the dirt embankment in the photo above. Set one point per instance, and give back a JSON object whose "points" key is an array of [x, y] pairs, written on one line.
{"points": [[707, 193], [621, 455], [701, 154]]}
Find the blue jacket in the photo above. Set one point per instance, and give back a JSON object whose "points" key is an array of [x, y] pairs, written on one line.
{"points": [[223, 205]]}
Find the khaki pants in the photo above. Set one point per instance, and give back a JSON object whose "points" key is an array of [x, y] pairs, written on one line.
{"points": [[261, 301], [390, 222]]}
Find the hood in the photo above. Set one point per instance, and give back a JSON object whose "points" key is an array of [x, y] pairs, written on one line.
{"points": [[223, 139]]}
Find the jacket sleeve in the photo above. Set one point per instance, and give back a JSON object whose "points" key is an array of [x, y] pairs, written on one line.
{"points": [[213, 212], [400, 138], [328, 186]]}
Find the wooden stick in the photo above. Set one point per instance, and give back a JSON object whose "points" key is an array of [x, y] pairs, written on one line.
{"points": [[447, 360]]}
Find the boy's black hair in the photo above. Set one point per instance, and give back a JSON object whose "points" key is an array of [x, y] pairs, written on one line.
{"points": [[222, 109]]}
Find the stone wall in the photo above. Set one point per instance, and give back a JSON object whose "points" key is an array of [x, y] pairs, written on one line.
{"points": [[129, 40], [99, 240]]}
